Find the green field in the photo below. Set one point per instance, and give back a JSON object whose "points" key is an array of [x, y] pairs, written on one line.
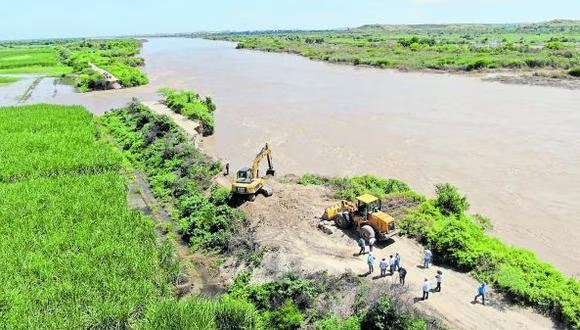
{"points": [[72, 57], [72, 254], [552, 46], [42, 60], [8, 79]]}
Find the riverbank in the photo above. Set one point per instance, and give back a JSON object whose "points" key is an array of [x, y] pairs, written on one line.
{"points": [[524, 49]]}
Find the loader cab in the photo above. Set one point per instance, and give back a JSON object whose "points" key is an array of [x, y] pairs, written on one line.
{"points": [[367, 204], [244, 175]]}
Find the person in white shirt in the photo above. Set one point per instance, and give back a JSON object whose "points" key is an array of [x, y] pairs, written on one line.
{"points": [[383, 266], [426, 288]]}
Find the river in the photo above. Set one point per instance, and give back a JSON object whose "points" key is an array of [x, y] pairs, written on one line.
{"points": [[514, 150]]}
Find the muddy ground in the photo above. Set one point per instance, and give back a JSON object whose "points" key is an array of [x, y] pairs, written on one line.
{"points": [[286, 226]]}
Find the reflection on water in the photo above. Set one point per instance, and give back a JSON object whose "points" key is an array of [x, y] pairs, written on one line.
{"points": [[514, 150]]}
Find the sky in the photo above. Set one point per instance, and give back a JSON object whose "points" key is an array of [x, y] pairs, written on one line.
{"points": [[29, 19]]}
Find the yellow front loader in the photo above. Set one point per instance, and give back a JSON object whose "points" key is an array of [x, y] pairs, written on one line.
{"points": [[365, 216], [248, 182]]}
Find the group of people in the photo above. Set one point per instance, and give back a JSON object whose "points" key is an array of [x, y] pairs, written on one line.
{"points": [[393, 263]]}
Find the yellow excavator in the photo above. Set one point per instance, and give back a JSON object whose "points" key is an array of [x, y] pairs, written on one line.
{"points": [[365, 216], [248, 182]]}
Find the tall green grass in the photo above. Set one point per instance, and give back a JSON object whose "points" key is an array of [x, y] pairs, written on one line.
{"points": [[201, 313], [72, 253], [49, 141]]}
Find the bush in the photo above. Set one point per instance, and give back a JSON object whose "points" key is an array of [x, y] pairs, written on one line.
{"points": [[334, 323], [192, 106], [575, 72], [312, 179], [385, 315], [178, 174], [350, 188], [288, 317], [449, 201]]}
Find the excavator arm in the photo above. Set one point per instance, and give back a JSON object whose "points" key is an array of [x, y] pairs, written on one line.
{"points": [[266, 152]]}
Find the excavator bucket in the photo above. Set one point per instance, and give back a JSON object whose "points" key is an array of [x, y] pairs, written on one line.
{"points": [[270, 171]]}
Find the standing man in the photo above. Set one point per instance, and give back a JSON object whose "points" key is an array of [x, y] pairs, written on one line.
{"points": [[227, 169], [372, 241], [370, 262], [438, 279], [402, 274], [397, 260], [427, 255], [392, 262], [481, 291], [426, 288], [383, 266], [362, 245]]}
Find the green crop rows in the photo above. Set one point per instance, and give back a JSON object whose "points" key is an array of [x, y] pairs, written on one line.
{"points": [[72, 254]]}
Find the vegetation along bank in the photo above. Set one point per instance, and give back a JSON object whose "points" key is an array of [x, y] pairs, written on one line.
{"points": [[549, 49], [73, 58]]}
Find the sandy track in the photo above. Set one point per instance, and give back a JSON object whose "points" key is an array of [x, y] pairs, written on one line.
{"points": [[286, 224]]}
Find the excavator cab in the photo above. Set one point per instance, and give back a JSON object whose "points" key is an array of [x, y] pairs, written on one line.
{"points": [[244, 175]]}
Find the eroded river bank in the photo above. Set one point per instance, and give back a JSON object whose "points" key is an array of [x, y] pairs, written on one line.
{"points": [[514, 150]]}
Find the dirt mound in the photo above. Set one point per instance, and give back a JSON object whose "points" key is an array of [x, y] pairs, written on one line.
{"points": [[286, 226]]}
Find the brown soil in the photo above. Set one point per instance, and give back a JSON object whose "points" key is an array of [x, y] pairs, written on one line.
{"points": [[286, 225]]}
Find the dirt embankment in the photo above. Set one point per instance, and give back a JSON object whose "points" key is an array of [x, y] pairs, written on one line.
{"points": [[286, 226]]}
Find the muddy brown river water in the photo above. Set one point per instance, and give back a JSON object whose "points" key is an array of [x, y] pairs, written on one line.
{"points": [[513, 149]]}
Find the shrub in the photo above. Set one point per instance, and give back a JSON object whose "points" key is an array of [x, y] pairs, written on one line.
{"points": [[191, 105], [334, 323], [449, 201], [350, 188], [288, 317], [575, 72], [312, 179], [385, 315]]}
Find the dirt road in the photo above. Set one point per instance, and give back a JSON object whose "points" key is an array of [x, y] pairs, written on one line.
{"points": [[286, 225]]}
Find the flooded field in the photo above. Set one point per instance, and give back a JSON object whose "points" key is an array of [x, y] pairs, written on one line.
{"points": [[514, 150]]}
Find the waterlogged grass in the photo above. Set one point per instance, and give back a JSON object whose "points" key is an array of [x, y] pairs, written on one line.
{"points": [[553, 45], [191, 105], [72, 254], [458, 239], [50, 140]]}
